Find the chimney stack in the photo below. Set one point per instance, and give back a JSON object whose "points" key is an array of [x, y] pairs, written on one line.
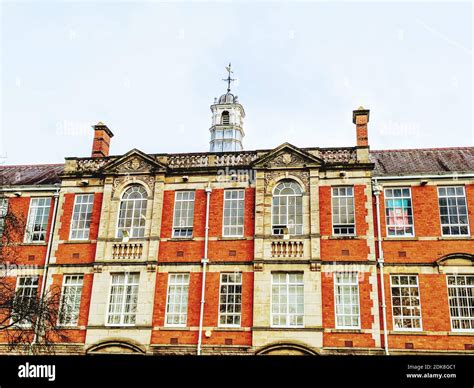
{"points": [[360, 117], [101, 144]]}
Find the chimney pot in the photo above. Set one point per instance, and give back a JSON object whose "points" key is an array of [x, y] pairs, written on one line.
{"points": [[101, 143]]}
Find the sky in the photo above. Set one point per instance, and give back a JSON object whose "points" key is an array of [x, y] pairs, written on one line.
{"points": [[150, 71]]}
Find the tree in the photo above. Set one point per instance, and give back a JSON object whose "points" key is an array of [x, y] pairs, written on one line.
{"points": [[28, 316]]}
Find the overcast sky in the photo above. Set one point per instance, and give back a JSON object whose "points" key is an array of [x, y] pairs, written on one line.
{"points": [[150, 71]]}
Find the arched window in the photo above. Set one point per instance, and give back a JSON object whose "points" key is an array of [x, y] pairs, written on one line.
{"points": [[132, 214], [287, 208], [225, 118]]}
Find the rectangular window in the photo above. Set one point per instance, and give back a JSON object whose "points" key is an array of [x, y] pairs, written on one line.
{"points": [[81, 216], [287, 300], [3, 214], [123, 299], [346, 291], [233, 220], [183, 214], [343, 220], [70, 300], [398, 212], [453, 211], [406, 302], [230, 299], [177, 304], [26, 296], [461, 302], [37, 220]]}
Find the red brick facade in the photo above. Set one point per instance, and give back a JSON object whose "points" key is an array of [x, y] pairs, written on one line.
{"points": [[427, 254]]}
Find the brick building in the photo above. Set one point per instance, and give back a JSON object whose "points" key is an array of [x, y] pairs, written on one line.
{"points": [[276, 251]]}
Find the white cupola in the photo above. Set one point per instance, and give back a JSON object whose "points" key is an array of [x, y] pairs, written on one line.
{"points": [[227, 121]]}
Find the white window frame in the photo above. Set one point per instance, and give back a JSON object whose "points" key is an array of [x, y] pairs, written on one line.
{"points": [[459, 317], [176, 284], [412, 212], [403, 316], [77, 284], [448, 215], [132, 228], [28, 239], [288, 315], [354, 233], [17, 287], [300, 195], [235, 216], [122, 314], [3, 213], [189, 228], [88, 216], [235, 284], [343, 285]]}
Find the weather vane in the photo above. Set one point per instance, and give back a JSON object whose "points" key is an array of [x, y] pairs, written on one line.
{"points": [[228, 79]]}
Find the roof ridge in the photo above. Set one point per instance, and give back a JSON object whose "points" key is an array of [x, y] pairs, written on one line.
{"points": [[426, 149], [33, 165]]}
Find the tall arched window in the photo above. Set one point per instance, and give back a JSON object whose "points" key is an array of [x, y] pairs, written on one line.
{"points": [[287, 208], [225, 118], [132, 214]]}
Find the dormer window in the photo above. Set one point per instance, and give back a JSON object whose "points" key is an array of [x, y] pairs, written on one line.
{"points": [[225, 118]]}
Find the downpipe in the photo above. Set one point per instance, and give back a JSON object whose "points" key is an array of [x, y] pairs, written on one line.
{"points": [[377, 190], [204, 262], [46, 264]]}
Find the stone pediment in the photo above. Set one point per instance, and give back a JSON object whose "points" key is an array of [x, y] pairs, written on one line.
{"points": [[287, 156], [133, 162]]}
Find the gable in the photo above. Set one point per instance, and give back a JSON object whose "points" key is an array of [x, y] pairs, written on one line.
{"points": [[133, 162], [285, 156]]}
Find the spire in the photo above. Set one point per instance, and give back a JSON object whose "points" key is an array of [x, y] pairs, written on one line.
{"points": [[229, 79]]}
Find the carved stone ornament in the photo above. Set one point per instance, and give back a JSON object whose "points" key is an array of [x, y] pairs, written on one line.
{"points": [[133, 164], [286, 159], [148, 179], [272, 176], [258, 266]]}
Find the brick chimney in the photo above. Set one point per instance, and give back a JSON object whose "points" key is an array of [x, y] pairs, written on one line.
{"points": [[360, 117], [101, 144]]}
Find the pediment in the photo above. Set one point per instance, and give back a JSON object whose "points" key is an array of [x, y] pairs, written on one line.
{"points": [[133, 162], [287, 155], [457, 259]]}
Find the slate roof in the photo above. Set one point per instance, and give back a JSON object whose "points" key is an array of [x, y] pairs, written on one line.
{"points": [[423, 161], [35, 174]]}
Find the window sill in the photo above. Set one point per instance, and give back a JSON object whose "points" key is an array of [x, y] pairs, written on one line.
{"points": [[181, 239], [346, 330], [175, 328], [447, 238], [287, 236], [344, 237], [79, 241], [462, 333], [222, 238], [407, 332], [39, 243], [400, 238]]}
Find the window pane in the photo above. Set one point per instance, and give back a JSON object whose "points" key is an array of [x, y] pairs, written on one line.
{"points": [[230, 298], [287, 299], [405, 302], [398, 212], [453, 210]]}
